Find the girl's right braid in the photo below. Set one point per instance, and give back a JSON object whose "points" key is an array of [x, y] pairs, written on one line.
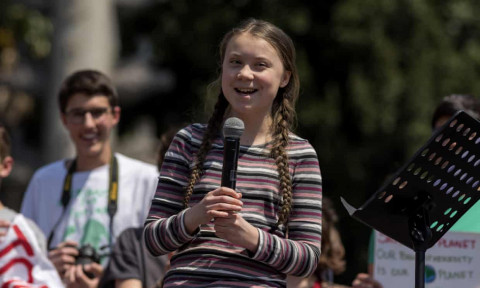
{"points": [[213, 128]]}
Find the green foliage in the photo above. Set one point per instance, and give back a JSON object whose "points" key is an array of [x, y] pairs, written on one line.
{"points": [[372, 72], [23, 26]]}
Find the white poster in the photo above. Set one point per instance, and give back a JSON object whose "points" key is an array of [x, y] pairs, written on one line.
{"points": [[22, 264], [453, 262]]}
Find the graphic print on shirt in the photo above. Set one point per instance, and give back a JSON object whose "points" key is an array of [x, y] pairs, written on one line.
{"points": [[88, 219]]}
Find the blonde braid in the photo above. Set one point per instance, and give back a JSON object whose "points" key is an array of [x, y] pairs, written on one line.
{"points": [[213, 128], [281, 123]]}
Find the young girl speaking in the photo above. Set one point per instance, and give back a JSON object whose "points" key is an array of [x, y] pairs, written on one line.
{"points": [[270, 225]]}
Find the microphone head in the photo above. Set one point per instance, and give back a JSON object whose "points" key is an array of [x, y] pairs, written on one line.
{"points": [[233, 128]]}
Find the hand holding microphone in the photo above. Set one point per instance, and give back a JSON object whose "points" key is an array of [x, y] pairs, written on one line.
{"points": [[222, 201], [233, 227]]}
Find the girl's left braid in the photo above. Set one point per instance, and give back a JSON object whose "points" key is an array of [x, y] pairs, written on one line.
{"points": [[281, 124]]}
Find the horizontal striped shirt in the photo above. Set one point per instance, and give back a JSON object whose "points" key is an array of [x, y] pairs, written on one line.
{"points": [[204, 259]]}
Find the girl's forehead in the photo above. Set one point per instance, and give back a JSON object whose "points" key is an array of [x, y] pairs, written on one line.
{"points": [[248, 43]]}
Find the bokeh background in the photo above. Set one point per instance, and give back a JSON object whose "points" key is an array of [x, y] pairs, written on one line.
{"points": [[372, 72]]}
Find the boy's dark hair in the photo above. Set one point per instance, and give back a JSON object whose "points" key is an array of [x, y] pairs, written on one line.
{"points": [[451, 104], [5, 143], [88, 82]]}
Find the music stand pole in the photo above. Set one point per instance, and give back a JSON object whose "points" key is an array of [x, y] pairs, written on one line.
{"points": [[421, 234], [419, 269]]}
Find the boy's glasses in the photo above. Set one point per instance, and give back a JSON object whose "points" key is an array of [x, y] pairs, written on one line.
{"points": [[78, 116]]}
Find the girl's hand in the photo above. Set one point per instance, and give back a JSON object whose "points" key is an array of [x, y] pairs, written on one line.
{"points": [[237, 230], [216, 204]]}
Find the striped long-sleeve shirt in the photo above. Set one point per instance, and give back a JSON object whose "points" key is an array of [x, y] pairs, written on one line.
{"points": [[203, 259]]}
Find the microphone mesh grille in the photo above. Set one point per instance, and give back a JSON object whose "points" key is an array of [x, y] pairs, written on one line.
{"points": [[233, 128]]}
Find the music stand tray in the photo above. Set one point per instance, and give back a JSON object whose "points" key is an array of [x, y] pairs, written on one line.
{"points": [[426, 196]]}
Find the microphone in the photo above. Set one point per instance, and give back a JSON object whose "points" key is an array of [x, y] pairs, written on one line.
{"points": [[232, 131]]}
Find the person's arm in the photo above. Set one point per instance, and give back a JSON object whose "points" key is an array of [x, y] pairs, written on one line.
{"points": [[125, 266], [128, 283], [164, 227], [170, 232], [169, 225], [299, 282], [299, 254]]}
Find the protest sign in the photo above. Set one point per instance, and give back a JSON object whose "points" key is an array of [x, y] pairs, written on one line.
{"points": [[453, 262], [22, 263]]}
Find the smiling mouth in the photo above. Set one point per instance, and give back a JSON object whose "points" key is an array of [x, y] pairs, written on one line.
{"points": [[245, 91], [89, 137]]}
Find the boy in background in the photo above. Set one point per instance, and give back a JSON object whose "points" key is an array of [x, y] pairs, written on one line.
{"points": [[91, 198]]}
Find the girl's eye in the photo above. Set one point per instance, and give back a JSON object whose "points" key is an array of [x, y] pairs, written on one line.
{"points": [[234, 61]]}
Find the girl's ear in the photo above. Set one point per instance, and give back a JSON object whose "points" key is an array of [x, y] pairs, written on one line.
{"points": [[6, 167], [285, 79]]}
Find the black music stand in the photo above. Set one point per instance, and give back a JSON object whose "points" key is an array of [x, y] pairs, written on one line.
{"points": [[425, 197]]}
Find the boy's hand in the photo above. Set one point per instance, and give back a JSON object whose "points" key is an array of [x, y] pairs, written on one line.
{"points": [[75, 276], [63, 256]]}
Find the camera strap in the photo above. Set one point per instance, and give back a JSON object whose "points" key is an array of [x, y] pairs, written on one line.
{"points": [[112, 195]]}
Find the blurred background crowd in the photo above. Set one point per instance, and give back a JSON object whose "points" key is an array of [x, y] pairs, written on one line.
{"points": [[371, 74]]}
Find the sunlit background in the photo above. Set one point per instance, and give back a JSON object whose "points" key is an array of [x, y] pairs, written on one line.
{"points": [[371, 71]]}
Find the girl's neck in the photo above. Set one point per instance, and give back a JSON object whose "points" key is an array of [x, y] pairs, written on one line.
{"points": [[257, 131]]}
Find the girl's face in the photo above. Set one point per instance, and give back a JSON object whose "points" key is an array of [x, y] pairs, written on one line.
{"points": [[252, 73]]}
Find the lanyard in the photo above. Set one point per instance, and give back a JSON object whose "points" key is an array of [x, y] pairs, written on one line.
{"points": [[112, 194]]}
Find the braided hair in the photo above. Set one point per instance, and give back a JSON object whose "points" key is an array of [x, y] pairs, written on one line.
{"points": [[213, 128], [283, 111]]}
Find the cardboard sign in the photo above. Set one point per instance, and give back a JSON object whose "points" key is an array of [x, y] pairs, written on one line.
{"points": [[453, 262]]}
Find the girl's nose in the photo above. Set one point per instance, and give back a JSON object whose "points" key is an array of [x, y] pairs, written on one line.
{"points": [[245, 73]]}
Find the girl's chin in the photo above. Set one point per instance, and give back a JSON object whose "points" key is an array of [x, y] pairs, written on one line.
{"points": [[244, 97], [242, 108]]}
